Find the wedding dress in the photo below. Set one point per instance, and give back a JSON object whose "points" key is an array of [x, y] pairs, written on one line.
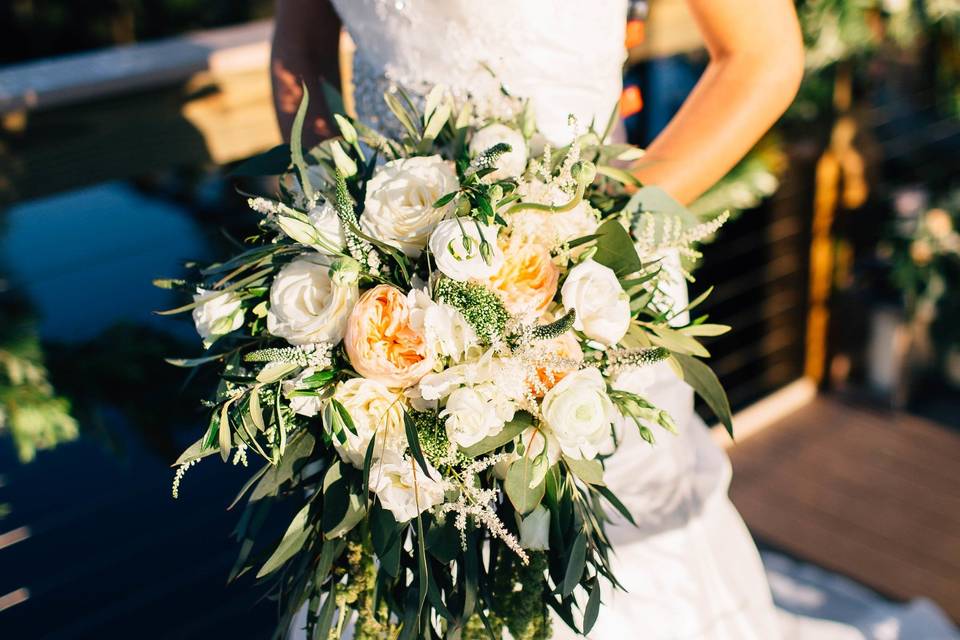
{"points": [[690, 568]]}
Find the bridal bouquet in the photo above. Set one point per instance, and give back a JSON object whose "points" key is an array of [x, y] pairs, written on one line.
{"points": [[433, 344]]}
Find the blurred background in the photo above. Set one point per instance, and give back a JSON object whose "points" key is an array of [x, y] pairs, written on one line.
{"points": [[840, 273]]}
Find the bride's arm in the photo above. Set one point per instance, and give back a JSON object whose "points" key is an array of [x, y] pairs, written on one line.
{"points": [[305, 48], [756, 63]]}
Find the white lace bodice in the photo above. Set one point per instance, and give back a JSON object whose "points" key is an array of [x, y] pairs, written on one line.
{"points": [[564, 55]]}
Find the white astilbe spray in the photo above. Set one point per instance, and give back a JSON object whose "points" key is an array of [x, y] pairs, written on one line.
{"points": [[478, 505]]}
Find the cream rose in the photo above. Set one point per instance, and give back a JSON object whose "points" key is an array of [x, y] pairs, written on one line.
{"points": [[512, 163], [398, 208], [456, 247], [307, 306], [381, 341], [329, 234], [216, 314], [580, 415], [374, 409], [602, 306], [404, 489]]}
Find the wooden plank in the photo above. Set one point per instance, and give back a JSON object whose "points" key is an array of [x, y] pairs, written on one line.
{"points": [[77, 78], [868, 493]]}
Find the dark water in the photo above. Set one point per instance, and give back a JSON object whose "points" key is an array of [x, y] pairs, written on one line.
{"points": [[92, 545]]}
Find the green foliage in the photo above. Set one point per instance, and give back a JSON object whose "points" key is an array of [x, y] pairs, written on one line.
{"points": [[481, 307]]}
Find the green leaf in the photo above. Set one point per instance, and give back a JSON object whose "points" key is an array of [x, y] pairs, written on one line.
{"points": [[575, 564], [325, 619], [296, 144], [423, 578], [707, 330], [413, 440], [590, 471], [517, 485], [510, 430], [677, 342], [704, 381], [193, 362], [272, 162], [617, 504], [402, 115], [367, 462], [615, 249], [336, 497], [344, 416], [356, 510], [331, 95], [292, 541], [385, 536], [592, 609], [275, 371]]}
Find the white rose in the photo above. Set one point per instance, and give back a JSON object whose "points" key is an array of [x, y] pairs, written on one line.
{"points": [[330, 240], [399, 210], [473, 414], [579, 414], [302, 405], [216, 314], [404, 489], [507, 375], [374, 409], [535, 530], [456, 243], [307, 306], [512, 163], [445, 329], [602, 306]]}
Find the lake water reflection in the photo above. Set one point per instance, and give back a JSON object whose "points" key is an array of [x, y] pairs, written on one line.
{"points": [[91, 543]]}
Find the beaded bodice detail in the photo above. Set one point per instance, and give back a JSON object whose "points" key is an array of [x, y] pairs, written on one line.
{"points": [[564, 55]]}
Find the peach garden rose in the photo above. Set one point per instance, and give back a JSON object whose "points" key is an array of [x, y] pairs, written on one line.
{"points": [[381, 342], [527, 281]]}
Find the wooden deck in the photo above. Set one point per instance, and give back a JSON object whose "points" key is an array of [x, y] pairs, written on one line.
{"points": [[869, 493]]}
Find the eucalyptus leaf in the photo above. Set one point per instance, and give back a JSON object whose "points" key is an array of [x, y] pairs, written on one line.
{"points": [[510, 430], [590, 471], [704, 381], [615, 249], [575, 564], [293, 539], [413, 441], [592, 609], [517, 485]]}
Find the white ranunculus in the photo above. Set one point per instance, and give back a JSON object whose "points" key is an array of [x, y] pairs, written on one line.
{"points": [[307, 306], [508, 375], [535, 530], [512, 163], [456, 247], [579, 414], [602, 306], [216, 314], [374, 409], [474, 413], [445, 329], [308, 406], [404, 489], [329, 232], [398, 208]]}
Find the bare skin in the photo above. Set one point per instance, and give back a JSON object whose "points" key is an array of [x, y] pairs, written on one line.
{"points": [[756, 64]]}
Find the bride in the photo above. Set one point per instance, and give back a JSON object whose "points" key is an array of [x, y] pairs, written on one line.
{"points": [[690, 568]]}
